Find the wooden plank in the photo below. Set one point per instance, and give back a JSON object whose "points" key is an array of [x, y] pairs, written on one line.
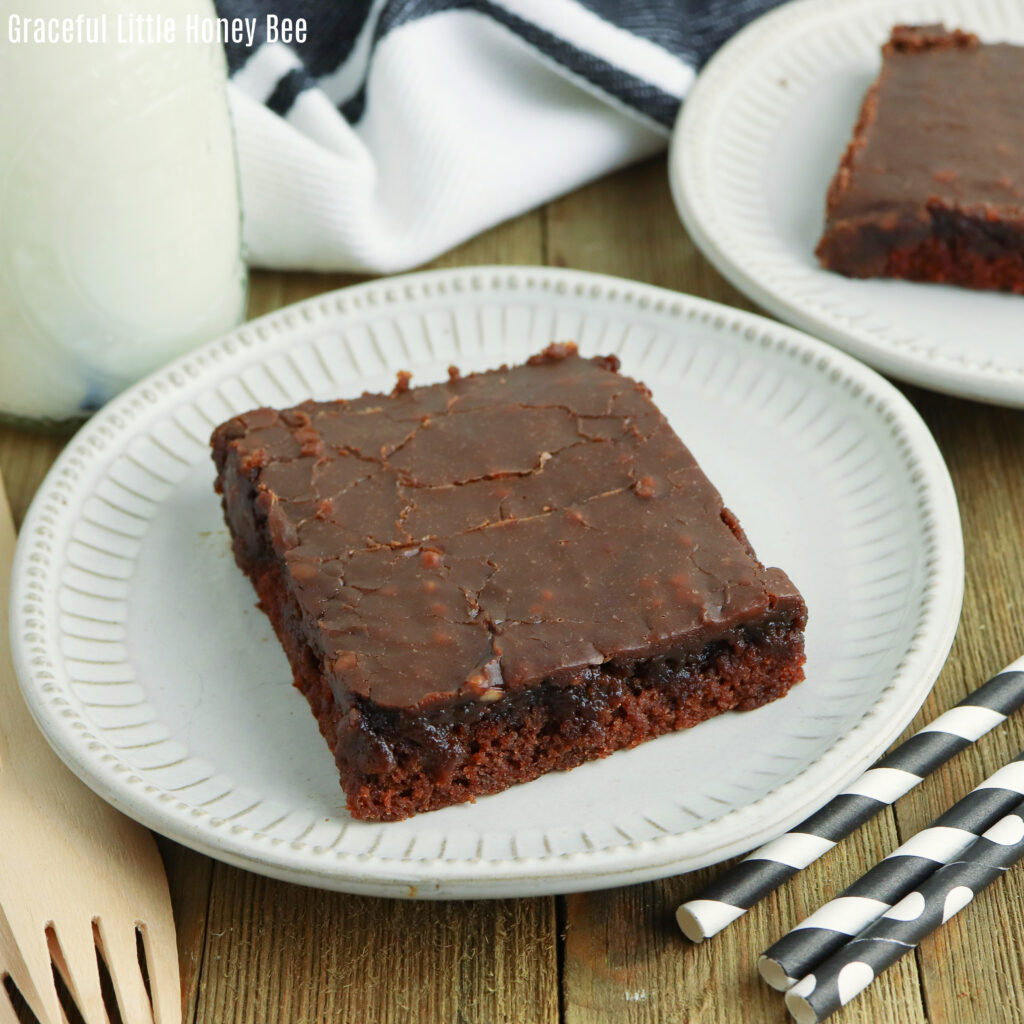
{"points": [[269, 290], [284, 954], [25, 458], [189, 875], [624, 958], [626, 225]]}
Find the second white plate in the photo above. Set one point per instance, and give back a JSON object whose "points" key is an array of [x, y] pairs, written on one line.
{"points": [[755, 147], [146, 664]]}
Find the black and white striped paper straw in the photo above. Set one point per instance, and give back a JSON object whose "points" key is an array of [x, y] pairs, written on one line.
{"points": [[764, 870], [849, 971], [797, 954]]}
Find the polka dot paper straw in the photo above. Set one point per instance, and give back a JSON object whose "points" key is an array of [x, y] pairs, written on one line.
{"points": [[849, 971], [797, 954], [763, 871]]}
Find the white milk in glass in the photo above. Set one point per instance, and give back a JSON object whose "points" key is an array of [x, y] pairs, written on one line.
{"points": [[120, 234]]}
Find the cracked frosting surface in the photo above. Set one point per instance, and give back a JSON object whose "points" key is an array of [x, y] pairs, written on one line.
{"points": [[941, 125], [455, 541]]}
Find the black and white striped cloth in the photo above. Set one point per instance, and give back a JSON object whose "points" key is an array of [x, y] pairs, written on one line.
{"points": [[402, 127]]}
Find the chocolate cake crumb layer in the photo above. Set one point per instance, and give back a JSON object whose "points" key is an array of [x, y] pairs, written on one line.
{"points": [[931, 187], [480, 581]]}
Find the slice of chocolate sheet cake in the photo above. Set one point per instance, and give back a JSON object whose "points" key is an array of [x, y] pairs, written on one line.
{"points": [[512, 572]]}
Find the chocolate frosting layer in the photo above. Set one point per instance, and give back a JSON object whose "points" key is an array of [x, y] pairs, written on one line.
{"points": [[940, 130], [947, 126], [455, 541]]}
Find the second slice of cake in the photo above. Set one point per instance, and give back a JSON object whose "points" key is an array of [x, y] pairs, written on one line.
{"points": [[513, 572], [931, 186]]}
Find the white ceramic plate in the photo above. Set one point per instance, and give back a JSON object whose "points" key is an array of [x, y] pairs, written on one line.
{"points": [[155, 678], [755, 147]]}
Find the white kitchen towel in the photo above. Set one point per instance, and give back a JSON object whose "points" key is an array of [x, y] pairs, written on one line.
{"points": [[399, 128]]}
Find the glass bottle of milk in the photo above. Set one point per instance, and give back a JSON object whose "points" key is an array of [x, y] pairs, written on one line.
{"points": [[120, 229]]}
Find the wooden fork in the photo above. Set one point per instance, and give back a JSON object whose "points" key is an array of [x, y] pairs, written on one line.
{"points": [[77, 878]]}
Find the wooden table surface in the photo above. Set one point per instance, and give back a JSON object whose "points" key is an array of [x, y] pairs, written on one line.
{"points": [[256, 951]]}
